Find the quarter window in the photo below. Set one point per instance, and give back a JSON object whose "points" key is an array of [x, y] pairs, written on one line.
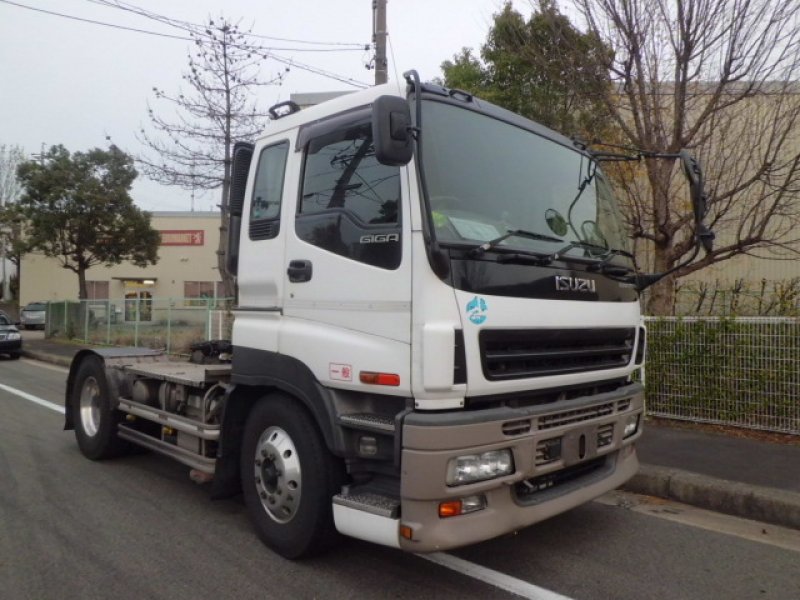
{"points": [[265, 208]]}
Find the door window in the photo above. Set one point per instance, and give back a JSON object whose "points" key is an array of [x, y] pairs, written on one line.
{"points": [[350, 203]]}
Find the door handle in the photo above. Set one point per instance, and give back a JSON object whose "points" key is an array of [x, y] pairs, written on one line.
{"points": [[299, 271]]}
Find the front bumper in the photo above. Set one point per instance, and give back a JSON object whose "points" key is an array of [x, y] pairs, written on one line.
{"points": [[10, 346], [593, 459]]}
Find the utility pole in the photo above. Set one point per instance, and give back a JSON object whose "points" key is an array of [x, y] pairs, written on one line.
{"points": [[379, 39], [41, 156]]}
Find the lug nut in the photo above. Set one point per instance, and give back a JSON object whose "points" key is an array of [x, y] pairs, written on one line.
{"points": [[263, 495]]}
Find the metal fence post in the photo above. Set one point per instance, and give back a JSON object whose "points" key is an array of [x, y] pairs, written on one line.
{"points": [[108, 322], [66, 320], [136, 322], [169, 324], [208, 319], [85, 309]]}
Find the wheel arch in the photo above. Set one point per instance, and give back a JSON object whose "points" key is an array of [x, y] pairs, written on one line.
{"points": [[110, 358], [256, 374]]}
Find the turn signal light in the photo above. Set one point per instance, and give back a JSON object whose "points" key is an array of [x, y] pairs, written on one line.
{"points": [[462, 506], [450, 509], [379, 378]]}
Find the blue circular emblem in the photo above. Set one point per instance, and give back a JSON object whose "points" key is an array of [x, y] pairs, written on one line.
{"points": [[476, 310]]}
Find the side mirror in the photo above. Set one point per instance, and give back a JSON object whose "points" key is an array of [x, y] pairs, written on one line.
{"points": [[391, 131], [694, 175]]}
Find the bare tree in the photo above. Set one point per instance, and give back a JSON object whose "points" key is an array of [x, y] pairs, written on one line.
{"points": [[717, 77], [194, 135], [11, 247]]}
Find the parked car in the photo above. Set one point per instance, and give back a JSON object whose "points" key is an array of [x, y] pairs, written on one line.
{"points": [[33, 315], [10, 339]]}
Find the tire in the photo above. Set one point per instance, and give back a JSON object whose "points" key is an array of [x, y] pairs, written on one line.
{"points": [[14, 355], [289, 478], [94, 418]]}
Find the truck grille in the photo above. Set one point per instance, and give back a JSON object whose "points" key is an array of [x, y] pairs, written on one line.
{"points": [[517, 354], [568, 417]]}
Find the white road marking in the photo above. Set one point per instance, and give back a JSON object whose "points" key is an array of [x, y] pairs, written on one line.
{"points": [[32, 398], [755, 531], [494, 578]]}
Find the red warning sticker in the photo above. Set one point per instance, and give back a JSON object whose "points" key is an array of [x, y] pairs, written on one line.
{"points": [[340, 372]]}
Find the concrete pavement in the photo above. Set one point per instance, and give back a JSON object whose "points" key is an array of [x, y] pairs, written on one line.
{"points": [[744, 477]]}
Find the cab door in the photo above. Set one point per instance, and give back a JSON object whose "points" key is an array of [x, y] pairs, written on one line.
{"points": [[347, 295]]}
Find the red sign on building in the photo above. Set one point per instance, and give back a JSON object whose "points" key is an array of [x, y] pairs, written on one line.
{"points": [[182, 237]]}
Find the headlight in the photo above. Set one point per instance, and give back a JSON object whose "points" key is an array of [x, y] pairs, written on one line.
{"points": [[479, 467], [13, 336], [631, 426]]}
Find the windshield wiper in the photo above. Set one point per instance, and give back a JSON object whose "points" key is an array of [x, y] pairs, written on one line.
{"points": [[480, 249], [602, 265]]}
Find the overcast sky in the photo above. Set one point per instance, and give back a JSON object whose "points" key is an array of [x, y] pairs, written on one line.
{"points": [[74, 83]]}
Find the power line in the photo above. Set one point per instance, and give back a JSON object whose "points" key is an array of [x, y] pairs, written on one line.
{"points": [[268, 52], [127, 6], [93, 22]]}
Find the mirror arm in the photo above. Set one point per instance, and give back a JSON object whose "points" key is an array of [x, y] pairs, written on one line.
{"points": [[436, 257], [703, 237]]}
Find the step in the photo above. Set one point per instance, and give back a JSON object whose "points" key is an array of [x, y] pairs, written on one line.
{"points": [[181, 423], [201, 463], [369, 422], [371, 503]]}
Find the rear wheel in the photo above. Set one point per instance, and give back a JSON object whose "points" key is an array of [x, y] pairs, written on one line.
{"points": [[289, 478], [95, 419]]}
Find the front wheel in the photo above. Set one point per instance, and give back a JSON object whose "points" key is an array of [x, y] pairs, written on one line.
{"points": [[289, 478], [94, 417]]}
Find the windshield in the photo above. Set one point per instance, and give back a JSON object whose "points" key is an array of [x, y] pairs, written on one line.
{"points": [[486, 178]]}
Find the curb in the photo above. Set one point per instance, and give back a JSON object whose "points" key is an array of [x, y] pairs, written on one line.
{"points": [[54, 359], [758, 503]]}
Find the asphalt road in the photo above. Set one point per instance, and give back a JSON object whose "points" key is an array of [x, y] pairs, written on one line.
{"points": [[137, 527]]}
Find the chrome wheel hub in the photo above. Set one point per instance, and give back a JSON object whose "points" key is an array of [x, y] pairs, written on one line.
{"points": [[90, 406], [277, 474]]}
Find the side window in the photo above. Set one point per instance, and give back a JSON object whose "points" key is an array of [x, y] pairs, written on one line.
{"points": [[265, 208], [350, 202]]}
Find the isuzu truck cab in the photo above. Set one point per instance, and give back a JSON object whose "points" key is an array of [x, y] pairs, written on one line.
{"points": [[436, 335]]}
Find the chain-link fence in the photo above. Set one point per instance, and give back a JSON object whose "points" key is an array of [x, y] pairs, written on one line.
{"points": [[171, 324], [742, 371]]}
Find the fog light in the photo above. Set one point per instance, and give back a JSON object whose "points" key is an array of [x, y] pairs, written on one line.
{"points": [[631, 426], [367, 445], [479, 467], [462, 506]]}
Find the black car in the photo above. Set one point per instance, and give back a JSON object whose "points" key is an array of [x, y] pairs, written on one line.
{"points": [[10, 339]]}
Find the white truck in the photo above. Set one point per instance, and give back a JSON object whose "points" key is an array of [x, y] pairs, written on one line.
{"points": [[436, 334]]}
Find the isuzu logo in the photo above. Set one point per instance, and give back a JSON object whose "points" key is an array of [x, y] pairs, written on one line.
{"points": [[575, 284]]}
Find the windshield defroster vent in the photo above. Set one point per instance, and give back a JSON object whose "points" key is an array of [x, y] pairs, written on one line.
{"points": [[520, 353]]}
